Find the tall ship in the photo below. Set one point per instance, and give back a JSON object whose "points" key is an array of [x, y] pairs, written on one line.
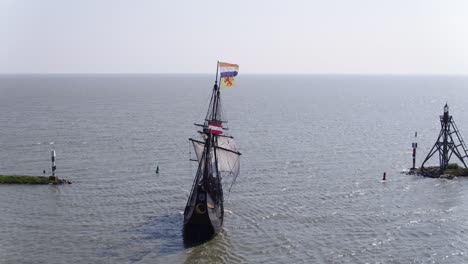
{"points": [[218, 159]]}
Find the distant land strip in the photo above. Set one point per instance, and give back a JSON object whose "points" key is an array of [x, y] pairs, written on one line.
{"points": [[23, 179]]}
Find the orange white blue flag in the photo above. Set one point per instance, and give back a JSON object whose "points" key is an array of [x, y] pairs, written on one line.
{"points": [[228, 72]]}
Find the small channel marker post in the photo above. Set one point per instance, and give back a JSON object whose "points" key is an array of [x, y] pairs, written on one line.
{"points": [[415, 146], [53, 166]]}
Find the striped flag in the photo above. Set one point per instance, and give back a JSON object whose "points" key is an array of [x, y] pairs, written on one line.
{"points": [[215, 129], [228, 72]]}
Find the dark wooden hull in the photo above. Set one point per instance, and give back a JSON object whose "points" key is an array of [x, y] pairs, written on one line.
{"points": [[203, 219]]}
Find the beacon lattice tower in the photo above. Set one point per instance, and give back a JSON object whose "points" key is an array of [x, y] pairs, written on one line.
{"points": [[449, 142]]}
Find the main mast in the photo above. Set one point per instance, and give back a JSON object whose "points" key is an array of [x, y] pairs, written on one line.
{"points": [[213, 109], [212, 119], [215, 94]]}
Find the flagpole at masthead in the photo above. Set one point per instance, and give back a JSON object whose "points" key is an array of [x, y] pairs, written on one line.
{"points": [[217, 68]]}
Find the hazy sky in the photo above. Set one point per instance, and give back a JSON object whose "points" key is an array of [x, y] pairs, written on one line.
{"points": [[288, 36]]}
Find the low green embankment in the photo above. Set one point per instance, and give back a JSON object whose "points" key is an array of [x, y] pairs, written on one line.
{"points": [[455, 170], [452, 170], [20, 179]]}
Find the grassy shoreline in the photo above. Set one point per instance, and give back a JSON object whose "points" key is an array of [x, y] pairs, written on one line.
{"points": [[452, 170], [23, 179]]}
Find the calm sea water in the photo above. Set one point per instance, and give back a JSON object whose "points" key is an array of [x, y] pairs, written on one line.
{"points": [[314, 150]]}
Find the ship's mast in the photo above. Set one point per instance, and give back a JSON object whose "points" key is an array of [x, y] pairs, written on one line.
{"points": [[215, 94], [215, 117], [212, 114], [211, 139], [207, 160]]}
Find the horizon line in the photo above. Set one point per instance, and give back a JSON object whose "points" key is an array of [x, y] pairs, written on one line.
{"points": [[250, 73]]}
